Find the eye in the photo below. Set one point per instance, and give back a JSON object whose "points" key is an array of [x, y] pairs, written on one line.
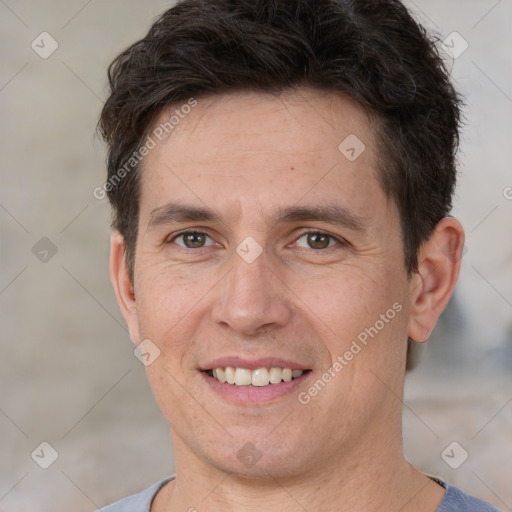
{"points": [[191, 240], [318, 240]]}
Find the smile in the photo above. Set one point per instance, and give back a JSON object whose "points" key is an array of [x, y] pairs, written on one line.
{"points": [[258, 377]]}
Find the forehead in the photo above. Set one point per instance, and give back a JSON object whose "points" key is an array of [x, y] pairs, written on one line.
{"points": [[254, 148], [304, 120]]}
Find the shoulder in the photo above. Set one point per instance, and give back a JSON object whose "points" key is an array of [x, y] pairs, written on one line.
{"points": [[456, 500], [139, 502]]}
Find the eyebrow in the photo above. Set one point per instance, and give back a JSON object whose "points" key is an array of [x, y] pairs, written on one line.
{"points": [[177, 212], [331, 213]]}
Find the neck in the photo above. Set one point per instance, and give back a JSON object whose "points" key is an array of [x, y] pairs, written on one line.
{"points": [[370, 479]]}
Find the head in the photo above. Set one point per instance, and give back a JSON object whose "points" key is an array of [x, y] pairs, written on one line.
{"points": [[308, 151]]}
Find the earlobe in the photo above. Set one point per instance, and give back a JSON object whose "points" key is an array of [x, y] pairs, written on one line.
{"points": [[435, 279], [123, 285]]}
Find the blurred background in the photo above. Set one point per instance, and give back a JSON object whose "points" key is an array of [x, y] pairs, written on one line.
{"points": [[68, 376]]}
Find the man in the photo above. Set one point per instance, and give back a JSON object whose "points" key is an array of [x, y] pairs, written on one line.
{"points": [[281, 175]]}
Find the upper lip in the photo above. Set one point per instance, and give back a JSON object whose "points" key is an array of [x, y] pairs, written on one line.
{"points": [[252, 364]]}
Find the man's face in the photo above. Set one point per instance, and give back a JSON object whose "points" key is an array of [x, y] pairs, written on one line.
{"points": [[257, 277]]}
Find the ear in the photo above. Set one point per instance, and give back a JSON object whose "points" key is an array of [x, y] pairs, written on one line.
{"points": [[434, 281], [123, 285]]}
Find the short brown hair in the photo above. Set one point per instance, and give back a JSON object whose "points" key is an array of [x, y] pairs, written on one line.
{"points": [[372, 50]]}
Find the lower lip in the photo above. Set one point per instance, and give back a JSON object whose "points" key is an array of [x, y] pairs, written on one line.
{"points": [[246, 395]]}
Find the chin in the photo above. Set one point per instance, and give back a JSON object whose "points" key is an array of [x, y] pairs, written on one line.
{"points": [[247, 455]]}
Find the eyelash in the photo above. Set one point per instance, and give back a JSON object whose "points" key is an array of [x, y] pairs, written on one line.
{"points": [[340, 241]]}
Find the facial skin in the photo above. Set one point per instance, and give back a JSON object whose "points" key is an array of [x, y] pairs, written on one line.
{"points": [[304, 300]]}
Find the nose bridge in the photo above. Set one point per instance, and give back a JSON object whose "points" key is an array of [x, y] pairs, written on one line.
{"points": [[252, 296]]}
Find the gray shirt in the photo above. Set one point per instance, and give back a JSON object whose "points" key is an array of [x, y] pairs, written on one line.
{"points": [[454, 500]]}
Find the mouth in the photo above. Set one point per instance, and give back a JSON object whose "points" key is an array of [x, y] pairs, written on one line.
{"points": [[257, 377], [254, 382]]}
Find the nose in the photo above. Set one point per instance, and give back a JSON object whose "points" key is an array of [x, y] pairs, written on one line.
{"points": [[252, 297]]}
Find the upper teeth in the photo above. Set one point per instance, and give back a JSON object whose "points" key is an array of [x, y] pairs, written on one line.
{"points": [[257, 377]]}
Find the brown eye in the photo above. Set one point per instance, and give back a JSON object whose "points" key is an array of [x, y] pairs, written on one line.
{"points": [[191, 240], [316, 240]]}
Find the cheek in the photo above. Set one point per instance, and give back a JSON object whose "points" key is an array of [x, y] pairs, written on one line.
{"points": [[168, 306], [345, 302], [367, 322], [165, 304]]}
